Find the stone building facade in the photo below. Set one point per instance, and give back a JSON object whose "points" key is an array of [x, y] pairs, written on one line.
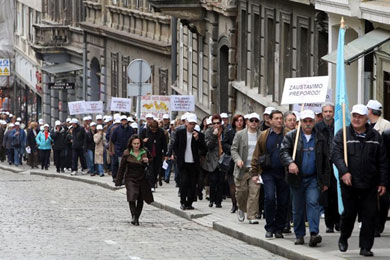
{"points": [[117, 32]]}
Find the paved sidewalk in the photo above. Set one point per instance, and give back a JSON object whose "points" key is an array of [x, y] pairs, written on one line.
{"points": [[166, 197]]}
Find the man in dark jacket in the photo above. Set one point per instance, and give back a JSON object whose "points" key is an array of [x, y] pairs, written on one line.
{"points": [[155, 141], [90, 148], [3, 125], [58, 135], [187, 146], [78, 141], [329, 197], [120, 137], [363, 177], [308, 173]]}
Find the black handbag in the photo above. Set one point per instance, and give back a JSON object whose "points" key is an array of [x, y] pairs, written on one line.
{"points": [[225, 162]]}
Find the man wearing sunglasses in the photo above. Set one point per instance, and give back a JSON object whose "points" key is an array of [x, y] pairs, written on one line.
{"points": [[247, 185], [308, 174]]}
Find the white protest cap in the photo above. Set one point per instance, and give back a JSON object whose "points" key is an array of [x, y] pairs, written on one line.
{"points": [[268, 110], [208, 121], [123, 118], [172, 122], [11, 115], [11, 125], [134, 125], [197, 128], [70, 126], [224, 115], [165, 116], [307, 114], [117, 121], [17, 123], [149, 116], [46, 125], [74, 121], [92, 124], [7, 113], [254, 115], [3, 122], [41, 122], [374, 104], [109, 118], [99, 117], [297, 115], [18, 119], [85, 118], [183, 117], [99, 127], [246, 116], [57, 123], [359, 109], [68, 120], [130, 119], [191, 118], [117, 116], [41, 128]]}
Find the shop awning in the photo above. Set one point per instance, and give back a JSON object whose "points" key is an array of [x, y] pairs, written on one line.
{"points": [[61, 68], [360, 47]]}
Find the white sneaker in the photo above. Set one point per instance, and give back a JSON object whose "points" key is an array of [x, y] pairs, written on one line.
{"points": [[73, 173], [83, 172], [253, 221], [153, 189], [240, 215]]}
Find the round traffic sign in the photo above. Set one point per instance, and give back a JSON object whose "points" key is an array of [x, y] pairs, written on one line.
{"points": [[138, 71]]}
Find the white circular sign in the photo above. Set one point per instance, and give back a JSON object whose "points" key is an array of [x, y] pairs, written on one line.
{"points": [[139, 71]]}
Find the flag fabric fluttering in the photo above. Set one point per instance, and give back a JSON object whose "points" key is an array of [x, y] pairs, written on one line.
{"points": [[341, 98]]}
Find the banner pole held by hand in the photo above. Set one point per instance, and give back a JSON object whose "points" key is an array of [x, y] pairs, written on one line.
{"points": [[297, 136], [345, 138]]}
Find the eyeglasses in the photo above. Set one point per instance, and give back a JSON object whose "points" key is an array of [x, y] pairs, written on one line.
{"points": [[216, 123], [254, 120]]}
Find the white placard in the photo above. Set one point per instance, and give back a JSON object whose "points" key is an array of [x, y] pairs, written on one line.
{"points": [[305, 90], [182, 103], [121, 104], [76, 107], [155, 105], [94, 107], [315, 107], [132, 89]]}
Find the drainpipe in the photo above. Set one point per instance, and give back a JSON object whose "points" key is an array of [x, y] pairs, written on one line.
{"points": [[174, 50], [84, 64]]}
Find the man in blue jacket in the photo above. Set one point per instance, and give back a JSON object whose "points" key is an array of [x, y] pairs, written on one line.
{"points": [[18, 143], [119, 138]]}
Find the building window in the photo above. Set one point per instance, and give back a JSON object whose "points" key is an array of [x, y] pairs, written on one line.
{"points": [[163, 81], [269, 52], [30, 24], [125, 80], [285, 60], [303, 52], [243, 45], [256, 28], [114, 74]]}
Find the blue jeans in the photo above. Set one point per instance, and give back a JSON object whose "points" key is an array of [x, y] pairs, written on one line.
{"points": [[89, 158], [100, 170], [115, 160], [171, 163], [306, 195], [276, 199], [17, 156]]}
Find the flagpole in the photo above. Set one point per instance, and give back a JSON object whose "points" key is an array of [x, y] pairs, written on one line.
{"points": [[297, 136], [345, 138]]}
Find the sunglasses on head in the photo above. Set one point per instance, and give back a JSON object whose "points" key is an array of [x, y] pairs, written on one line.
{"points": [[254, 120]]}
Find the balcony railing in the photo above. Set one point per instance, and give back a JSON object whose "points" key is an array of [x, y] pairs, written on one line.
{"points": [[51, 36]]}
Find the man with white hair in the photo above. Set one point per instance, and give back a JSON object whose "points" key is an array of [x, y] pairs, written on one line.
{"points": [[18, 142], [362, 180], [308, 174]]}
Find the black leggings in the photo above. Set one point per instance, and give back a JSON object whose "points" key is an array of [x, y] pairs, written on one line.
{"points": [[44, 156]]}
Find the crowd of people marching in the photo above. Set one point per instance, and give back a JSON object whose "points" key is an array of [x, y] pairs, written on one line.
{"points": [[249, 159]]}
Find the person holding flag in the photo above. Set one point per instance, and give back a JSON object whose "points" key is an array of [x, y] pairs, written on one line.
{"points": [[363, 174]]}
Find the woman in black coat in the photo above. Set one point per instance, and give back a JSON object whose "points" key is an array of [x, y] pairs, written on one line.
{"points": [[132, 170], [238, 124], [31, 144]]}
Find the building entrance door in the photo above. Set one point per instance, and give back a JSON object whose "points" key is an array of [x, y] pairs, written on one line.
{"points": [[386, 95]]}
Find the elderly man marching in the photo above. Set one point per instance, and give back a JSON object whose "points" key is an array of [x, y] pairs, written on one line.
{"points": [[247, 183], [362, 179], [308, 175]]}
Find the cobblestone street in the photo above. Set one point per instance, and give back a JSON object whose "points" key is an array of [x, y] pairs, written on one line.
{"points": [[46, 218]]}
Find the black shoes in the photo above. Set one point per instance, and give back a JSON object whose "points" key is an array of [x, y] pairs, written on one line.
{"points": [[329, 230], [343, 245], [183, 207], [314, 240], [279, 234], [299, 241], [200, 196], [234, 209], [287, 230], [211, 204], [190, 207], [366, 252], [218, 205], [269, 234]]}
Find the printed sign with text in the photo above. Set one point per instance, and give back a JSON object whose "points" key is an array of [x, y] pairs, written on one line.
{"points": [[76, 107], [121, 104], [94, 107], [305, 90], [182, 103], [155, 105]]}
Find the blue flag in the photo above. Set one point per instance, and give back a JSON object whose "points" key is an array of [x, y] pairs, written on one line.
{"points": [[341, 98]]}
